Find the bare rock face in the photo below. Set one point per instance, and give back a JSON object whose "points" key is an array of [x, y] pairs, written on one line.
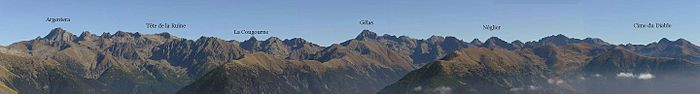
{"points": [[58, 37], [301, 49]]}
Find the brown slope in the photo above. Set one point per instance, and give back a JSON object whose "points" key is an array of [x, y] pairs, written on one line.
{"points": [[563, 60], [27, 75], [264, 73], [5, 74], [477, 70]]}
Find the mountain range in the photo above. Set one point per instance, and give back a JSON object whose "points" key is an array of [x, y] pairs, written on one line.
{"points": [[135, 63]]}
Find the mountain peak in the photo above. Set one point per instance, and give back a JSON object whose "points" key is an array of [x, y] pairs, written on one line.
{"points": [[558, 39], [495, 42], [494, 39], [58, 30], [273, 39], [105, 35], [85, 33], [366, 34], [85, 36], [561, 36], [165, 35], [451, 38], [682, 41], [295, 40], [517, 42], [435, 38], [55, 32], [664, 40], [137, 34], [251, 44], [555, 37], [595, 41], [58, 34], [252, 38], [122, 34], [476, 41]]}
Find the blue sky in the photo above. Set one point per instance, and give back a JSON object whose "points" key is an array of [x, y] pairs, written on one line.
{"points": [[326, 22]]}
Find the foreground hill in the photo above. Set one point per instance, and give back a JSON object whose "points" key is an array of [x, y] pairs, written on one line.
{"points": [[477, 70], [604, 70]]}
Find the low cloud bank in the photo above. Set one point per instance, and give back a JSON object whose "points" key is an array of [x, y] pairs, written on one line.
{"points": [[643, 76], [646, 76], [625, 75], [443, 90]]}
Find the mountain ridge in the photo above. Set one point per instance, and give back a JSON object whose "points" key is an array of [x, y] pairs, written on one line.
{"points": [[164, 63]]}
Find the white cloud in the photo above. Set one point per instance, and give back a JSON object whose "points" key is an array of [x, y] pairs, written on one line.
{"points": [[550, 81], [516, 89], [443, 90], [645, 76], [625, 75], [555, 81], [531, 87], [418, 88], [560, 81], [597, 75]]}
